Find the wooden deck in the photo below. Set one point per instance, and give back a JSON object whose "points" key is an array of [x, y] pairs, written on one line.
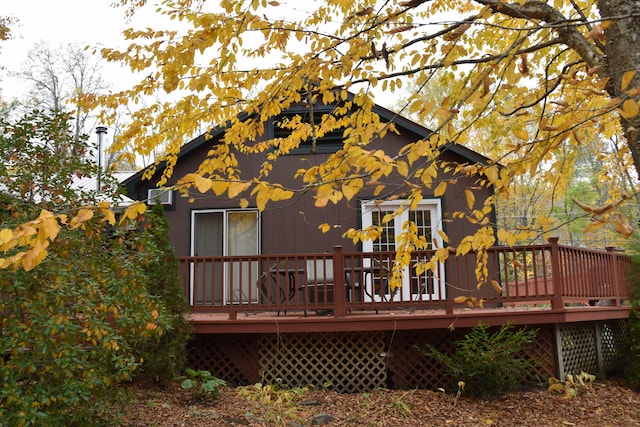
{"points": [[339, 292], [212, 323]]}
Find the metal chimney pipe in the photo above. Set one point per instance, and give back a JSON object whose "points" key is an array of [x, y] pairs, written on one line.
{"points": [[101, 131]]}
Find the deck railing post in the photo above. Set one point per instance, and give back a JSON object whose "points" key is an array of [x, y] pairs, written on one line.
{"points": [[556, 276], [614, 266], [339, 287]]}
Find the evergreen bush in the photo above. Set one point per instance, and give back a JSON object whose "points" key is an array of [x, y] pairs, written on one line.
{"points": [[164, 356], [488, 363]]}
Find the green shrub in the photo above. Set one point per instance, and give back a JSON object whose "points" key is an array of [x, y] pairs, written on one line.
{"points": [[632, 350], [69, 329], [69, 326], [487, 363], [632, 347], [164, 356]]}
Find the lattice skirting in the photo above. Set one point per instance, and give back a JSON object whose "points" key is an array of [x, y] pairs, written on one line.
{"points": [[592, 347], [346, 362], [350, 361]]}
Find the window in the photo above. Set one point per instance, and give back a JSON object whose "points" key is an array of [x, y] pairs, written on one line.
{"points": [[428, 219], [328, 143], [160, 195], [222, 232]]}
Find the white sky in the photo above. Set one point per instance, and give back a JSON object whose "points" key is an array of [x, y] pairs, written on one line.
{"points": [[85, 22]]}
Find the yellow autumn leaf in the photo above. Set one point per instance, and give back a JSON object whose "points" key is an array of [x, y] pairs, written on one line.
{"points": [[34, 256], [492, 173], [5, 236], [594, 225], [496, 287], [349, 191], [218, 187], [324, 227], [622, 226], [626, 79], [263, 194], [82, 216], [201, 183], [109, 215], [460, 299], [49, 228], [440, 189], [504, 235], [464, 247], [236, 188], [558, 387], [629, 109], [134, 211], [281, 194], [471, 198], [403, 168], [521, 134]]}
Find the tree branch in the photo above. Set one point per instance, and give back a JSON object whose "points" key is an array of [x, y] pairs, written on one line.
{"points": [[567, 34]]}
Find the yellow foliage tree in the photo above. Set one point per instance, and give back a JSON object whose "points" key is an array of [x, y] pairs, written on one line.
{"points": [[533, 77]]}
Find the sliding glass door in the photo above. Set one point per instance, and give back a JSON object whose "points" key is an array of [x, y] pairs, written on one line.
{"points": [[225, 233]]}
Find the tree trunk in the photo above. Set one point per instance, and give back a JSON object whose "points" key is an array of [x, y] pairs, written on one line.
{"points": [[622, 51]]}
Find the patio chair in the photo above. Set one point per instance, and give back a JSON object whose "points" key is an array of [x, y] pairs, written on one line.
{"points": [[273, 289], [319, 277]]}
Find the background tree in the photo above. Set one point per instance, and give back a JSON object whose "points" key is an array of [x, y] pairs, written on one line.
{"points": [[535, 79], [58, 75]]}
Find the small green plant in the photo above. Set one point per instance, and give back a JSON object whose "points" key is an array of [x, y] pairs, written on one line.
{"points": [[571, 387], [487, 363], [202, 383], [280, 401]]}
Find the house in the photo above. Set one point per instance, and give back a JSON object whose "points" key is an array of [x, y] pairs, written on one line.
{"points": [[258, 282]]}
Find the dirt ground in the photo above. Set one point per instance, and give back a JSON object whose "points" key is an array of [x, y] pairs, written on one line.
{"points": [[603, 403]]}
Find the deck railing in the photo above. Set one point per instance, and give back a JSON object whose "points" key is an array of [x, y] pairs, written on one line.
{"points": [[340, 283]]}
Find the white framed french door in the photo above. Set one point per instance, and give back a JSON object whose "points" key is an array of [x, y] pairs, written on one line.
{"points": [[224, 232], [427, 216]]}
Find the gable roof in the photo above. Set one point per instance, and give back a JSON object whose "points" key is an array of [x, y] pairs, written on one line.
{"points": [[384, 113]]}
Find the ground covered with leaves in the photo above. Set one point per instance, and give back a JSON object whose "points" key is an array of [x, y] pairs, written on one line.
{"points": [[603, 403]]}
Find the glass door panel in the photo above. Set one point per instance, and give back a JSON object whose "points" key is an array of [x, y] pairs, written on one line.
{"points": [[224, 233], [242, 240], [426, 286], [208, 229]]}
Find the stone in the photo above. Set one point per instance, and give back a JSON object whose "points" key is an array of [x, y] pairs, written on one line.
{"points": [[321, 419]]}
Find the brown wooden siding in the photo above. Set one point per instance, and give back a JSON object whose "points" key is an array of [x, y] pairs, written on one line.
{"points": [[292, 226]]}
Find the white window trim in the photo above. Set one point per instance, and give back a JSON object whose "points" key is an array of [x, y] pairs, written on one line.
{"points": [[225, 246], [434, 205]]}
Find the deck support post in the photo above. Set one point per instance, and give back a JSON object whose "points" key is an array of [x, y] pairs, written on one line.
{"points": [[617, 279], [339, 286], [556, 276]]}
